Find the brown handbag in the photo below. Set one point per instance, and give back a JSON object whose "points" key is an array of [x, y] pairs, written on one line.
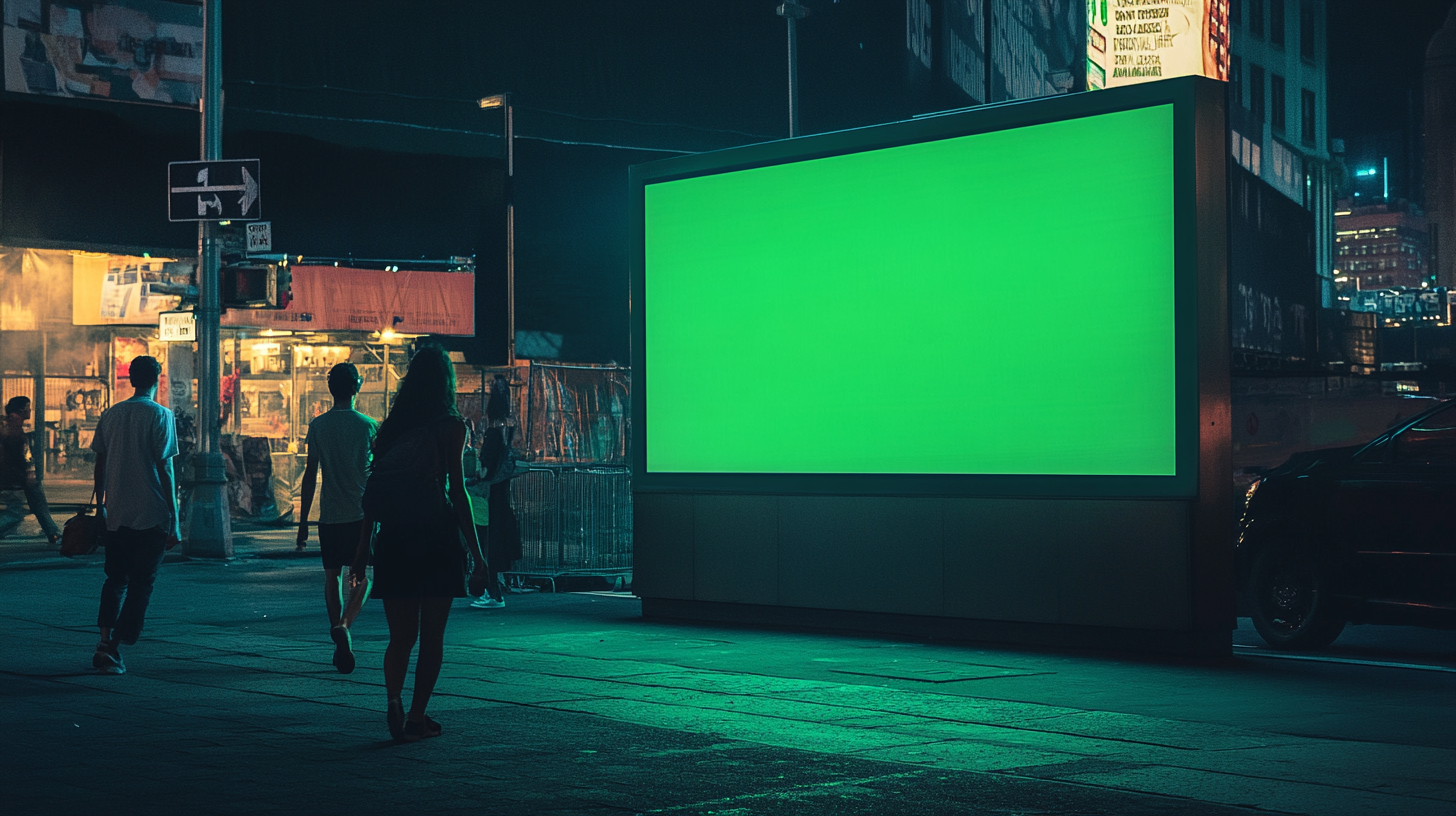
{"points": [[82, 533]]}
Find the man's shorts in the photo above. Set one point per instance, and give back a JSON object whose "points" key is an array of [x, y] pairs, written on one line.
{"points": [[339, 543]]}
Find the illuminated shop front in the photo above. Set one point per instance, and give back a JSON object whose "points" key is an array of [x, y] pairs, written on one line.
{"points": [[275, 363], [71, 322]]}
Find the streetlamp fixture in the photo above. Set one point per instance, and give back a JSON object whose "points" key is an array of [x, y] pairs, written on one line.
{"points": [[503, 101], [792, 13]]}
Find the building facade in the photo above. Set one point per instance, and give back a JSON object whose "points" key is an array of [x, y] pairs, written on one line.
{"points": [[1382, 246], [1440, 140], [1278, 97]]}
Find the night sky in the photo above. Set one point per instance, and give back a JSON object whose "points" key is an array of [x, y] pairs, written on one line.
{"points": [[1377, 49]]}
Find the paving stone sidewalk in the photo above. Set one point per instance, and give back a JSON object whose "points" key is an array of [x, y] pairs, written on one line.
{"points": [[574, 704]]}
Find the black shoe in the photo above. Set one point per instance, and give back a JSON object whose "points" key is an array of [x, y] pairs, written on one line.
{"points": [[343, 649], [107, 659], [423, 729]]}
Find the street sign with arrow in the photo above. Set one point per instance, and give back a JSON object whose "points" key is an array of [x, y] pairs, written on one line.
{"points": [[225, 190]]}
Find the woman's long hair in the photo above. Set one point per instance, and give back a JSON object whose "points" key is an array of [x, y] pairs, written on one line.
{"points": [[426, 394]]}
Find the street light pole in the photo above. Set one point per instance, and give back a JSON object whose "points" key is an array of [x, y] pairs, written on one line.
{"points": [[792, 13], [209, 528], [503, 101]]}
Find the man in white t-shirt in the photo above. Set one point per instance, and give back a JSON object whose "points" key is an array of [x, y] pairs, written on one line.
{"points": [[134, 444], [339, 440]]}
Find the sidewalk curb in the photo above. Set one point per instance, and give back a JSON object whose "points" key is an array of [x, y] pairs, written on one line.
{"points": [[57, 561]]}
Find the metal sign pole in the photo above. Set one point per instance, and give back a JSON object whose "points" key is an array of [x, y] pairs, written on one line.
{"points": [[510, 133], [209, 529]]}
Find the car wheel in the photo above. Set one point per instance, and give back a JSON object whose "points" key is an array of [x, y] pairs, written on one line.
{"points": [[1291, 609]]}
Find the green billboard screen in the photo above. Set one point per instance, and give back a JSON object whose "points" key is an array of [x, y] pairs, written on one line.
{"points": [[876, 311]]}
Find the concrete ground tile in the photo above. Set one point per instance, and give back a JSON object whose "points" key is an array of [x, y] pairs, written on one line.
{"points": [[1014, 738], [1157, 731], [801, 735], [1390, 769], [1267, 794], [449, 700], [766, 706], [709, 681], [963, 755], [928, 704], [502, 665], [522, 691]]}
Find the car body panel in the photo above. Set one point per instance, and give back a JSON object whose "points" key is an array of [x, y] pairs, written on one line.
{"points": [[1379, 520]]}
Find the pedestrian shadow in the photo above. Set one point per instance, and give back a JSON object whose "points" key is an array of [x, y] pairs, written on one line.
{"points": [[55, 675]]}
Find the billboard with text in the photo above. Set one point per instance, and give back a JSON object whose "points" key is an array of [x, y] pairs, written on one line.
{"points": [[337, 298], [130, 50], [1132, 41]]}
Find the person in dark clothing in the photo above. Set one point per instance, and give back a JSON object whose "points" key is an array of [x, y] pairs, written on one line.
{"points": [[17, 473], [137, 495], [419, 563], [497, 463]]}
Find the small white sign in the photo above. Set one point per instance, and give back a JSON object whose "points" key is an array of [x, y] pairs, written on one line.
{"points": [[177, 327], [260, 236]]}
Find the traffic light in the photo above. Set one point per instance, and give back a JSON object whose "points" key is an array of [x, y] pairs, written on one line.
{"points": [[257, 283], [285, 285]]}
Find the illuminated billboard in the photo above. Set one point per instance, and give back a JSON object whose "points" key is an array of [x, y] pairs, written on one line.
{"points": [[834, 321], [130, 50], [1133, 41]]}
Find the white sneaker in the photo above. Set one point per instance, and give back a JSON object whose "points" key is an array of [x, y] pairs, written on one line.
{"points": [[487, 602]]}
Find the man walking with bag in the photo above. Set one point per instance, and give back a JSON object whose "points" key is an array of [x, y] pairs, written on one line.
{"points": [[340, 440], [137, 495]]}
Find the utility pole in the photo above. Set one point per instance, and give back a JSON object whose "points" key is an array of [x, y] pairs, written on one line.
{"points": [[503, 101], [792, 13], [510, 191], [209, 527]]}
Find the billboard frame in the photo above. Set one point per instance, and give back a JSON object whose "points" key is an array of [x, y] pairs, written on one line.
{"points": [[1192, 129]]}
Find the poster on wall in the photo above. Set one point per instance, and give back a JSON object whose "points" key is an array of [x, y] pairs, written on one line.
{"points": [[132, 50], [1133, 41], [333, 298], [128, 291], [123, 351]]}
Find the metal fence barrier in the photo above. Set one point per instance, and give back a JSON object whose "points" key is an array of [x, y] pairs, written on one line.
{"points": [[575, 519]]}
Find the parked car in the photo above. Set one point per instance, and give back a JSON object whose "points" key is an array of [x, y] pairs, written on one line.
{"points": [[1364, 534]]}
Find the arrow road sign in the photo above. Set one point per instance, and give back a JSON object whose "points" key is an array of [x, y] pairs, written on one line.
{"points": [[224, 190]]}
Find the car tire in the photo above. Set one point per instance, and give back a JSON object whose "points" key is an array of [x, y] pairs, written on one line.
{"points": [[1291, 607]]}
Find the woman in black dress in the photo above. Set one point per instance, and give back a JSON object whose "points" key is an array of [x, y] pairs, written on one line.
{"points": [[420, 557]]}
